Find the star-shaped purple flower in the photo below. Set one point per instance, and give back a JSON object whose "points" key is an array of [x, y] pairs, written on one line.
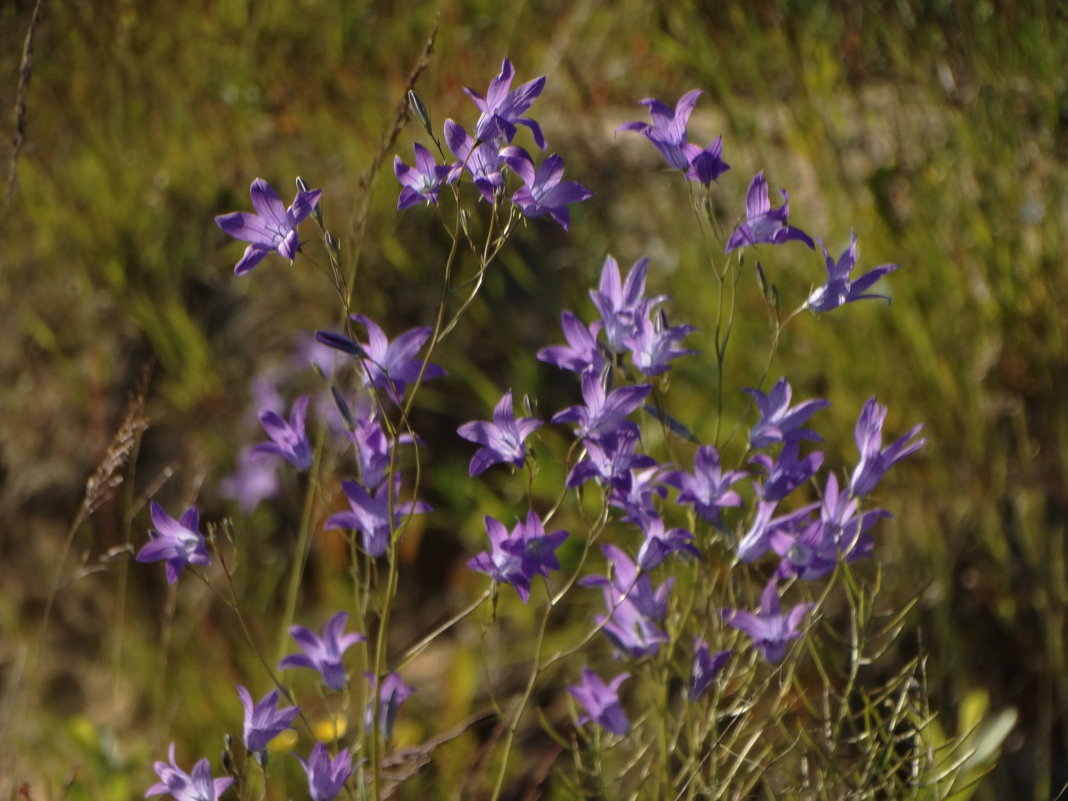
{"points": [[634, 608], [787, 472], [288, 440], [610, 458], [263, 720], [619, 302], [516, 557], [326, 776], [501, 108], [705, 667], [603, 413], [874, 459], [272, 228], [770, 629], [602, 701], [323, 654], [185, 787], [544, 191], [762, 222], [707, 165], [370, 515], [422, 181], [581, 354], [780, 422], [660, 541], [502, 440], [708, 487], [179, 542], [652, 344], [483, 160], [839, 289], [668, 130]]}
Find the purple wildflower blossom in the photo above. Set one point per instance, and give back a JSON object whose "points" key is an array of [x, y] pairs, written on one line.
{"points": [[273, 228], [839, 289], [707, 165], [544, 191], [668, 130], [581, 354], [516, 557], [610, 458], [179, 542], [770, 629], [601, 701], [708, 487], [394, 693], [874, 459], [369, 514], [786, 473], [483, 160], [659, 542], [501, 108], [634, 491], [253, 480], [422, 181], [326, 776], [762, 222], [780, 422], [705, 667], [757, 540], [652, 343], [263, 720], [620, 302], [603, 413], [634, 608], [502, 440], [288, 440], [323, 654], [181, 786]]}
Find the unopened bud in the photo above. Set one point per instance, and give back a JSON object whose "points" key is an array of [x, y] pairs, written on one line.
{"points": [[419, 110]]}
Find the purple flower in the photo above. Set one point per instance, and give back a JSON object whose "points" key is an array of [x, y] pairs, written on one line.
{"points": [[254, 479], [185, 787], [779, 422], [839, 289], [179, 542], [501, 108], [652, 344], [610, 458], [620, 302], [705, 667], [374, 448], [483, 161], [786, 473], [581, 354], [326, 776], [707, 165], [502, 440], [770, 629], [708, 488], [394, 693], [263, 720], [658, 542], [518, 556], [603, 413], [601, 701], [668, 131], [634, 608], [422, 181], [544, 191], [272, 228], [764, 224], [874, 459], [370, 515], [323, 654], [289, 440], [633, 493], [757, 541]]}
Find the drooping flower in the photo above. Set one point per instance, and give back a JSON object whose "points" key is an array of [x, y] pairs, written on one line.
{"points": [[770, 629], [668, 130], [394, 693], [272, 228], [762, 222], [326, 776], [369, 514], [288, 440], [602, 701], [839, 289], [199, 786], [502, 440], [707, 165], [619, 302], [179, 542], [780, 422], [581, 354], [652, 344], [874, 459], [603, 413], [501, 108], [263, 720], [516, 557], [422, 181], [544, 191], [323, 654], [705, 667], [708, 487], [482, 160]]}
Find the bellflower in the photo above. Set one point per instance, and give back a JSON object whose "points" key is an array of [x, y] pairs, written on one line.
{"points": [[603, 413], [501, 108], [708, 487], [422, 181], [394, 693], [652, 344], [659, 542], [516, 557], [601, 701], [786, 473], [502, 440], [757, 540], [707, 165], [273, 228], [780, 422], [620, 302], [181, 786], [263, 720], [770, 629], [544, 191], [369, 514], [288, 440], [253, 480], [839, 289], [762, 222], [374, 448], [634, 608], [668, 130], [581, 354], [483, 160], [179, 542], [705, 667], [326, 776], [610, 458], [323, 654], [874, 459]]}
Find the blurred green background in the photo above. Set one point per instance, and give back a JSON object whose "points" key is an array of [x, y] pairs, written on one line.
{"points": [[937, 131]]}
